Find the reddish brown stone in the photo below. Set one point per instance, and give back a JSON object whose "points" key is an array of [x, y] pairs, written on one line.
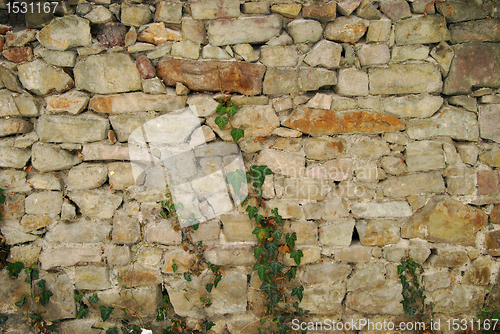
{"points": [[323, 12], [145, 67], [488, 182], [239, 77], [318, 122], [18, 55], [112, 34], [4, 29], [495, 215], [492, 240], [2, 39], [474, 64], [447, 221]]}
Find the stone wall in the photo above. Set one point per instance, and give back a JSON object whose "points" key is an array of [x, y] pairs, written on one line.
{"points": [[380, 121]]}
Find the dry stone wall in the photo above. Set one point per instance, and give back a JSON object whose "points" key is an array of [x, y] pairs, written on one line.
{"points": [[379, 119]]}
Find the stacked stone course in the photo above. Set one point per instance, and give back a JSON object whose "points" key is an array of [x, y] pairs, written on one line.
{"points": [[379, 119]]}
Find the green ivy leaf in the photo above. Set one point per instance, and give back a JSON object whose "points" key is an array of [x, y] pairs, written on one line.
{"points": [[217, 280], [187, 277], [174, 266], [94, 299], [112, 330], [262, 330], [290, 240], [259, 174], [2, 197], [258, 218], [209, 287], [45, 297], [221, 121], [277, 234], [105, 312], [232, 110], [221, 109], [257, 251], [271, 247], [78, 297], [296, 255], [261, 270], [268, 286], [261, 232], [14, 269], [277, 218], [196, 226], [252, 211], [237, 134], [263, 321], [298, 292], [21, 302], [276, 267], [235, 179], [209, 325], [82, 312]]}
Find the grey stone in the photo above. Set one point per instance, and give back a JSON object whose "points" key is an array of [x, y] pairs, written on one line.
{"points": [[381, 210], [73, 102], [423, 7], [325, 272], [11, 157], [7, 105], [368, 148], [136, 102], [87, 176], [393, 165], [377, 232], [41, 78], [120, 175], [247, 52], [79, 231], [396, 9], [458, 11], [311, 79], [27, 105], [346, 7], [107, 74], [443, 54], [14, 126], [475, 31], [337, 234], [162, 232], [194, 30], [310, 189], [65, 256], [367, 10], [488, 125], [273, 56], [64, 33], [9, 80], [15, 181], [92, 278], [100, 204], [46, 157], [378, 31], [186, 49], [352, 82], [68, 211], [305, 31], [279, 81], [346, 29], [323, 300], [424, 156], [69, 129], [214, 52], [326, 210], [124, 125], [421, 30], [326, 54], [153, 86], [14, 233], [19, 38], [255, 29], [59, 58], [285, 163], [256, 120], [44, 203], [336, 170], [373, 54], [168, 12], [409, 78], [103, 152], [421, 183], [62, 304], [454, 122], [410, 52], [369, 276], [214, 9], [135, 15], [99, 15], [383, 299], [421, 106], [468, 153]]}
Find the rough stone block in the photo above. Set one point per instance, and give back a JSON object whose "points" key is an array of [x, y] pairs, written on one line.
{"points": [[337, 234], [353, 254], [253, 29], [380, 300], [79, 231], [99, 204], [420, 183], [237, 227], [366, 277], [87, 176], [327, 272], [421, 106], [379, 210], [46, 158], [424, 155], [488, 127], [305, 31], [488, 182], [346, 29], [65, 256], [62, 304], [44, 203], [92, 278], [421, 30], [215, 9], [377, 232]]}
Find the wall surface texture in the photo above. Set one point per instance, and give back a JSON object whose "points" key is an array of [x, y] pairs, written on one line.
{"points": [[379, 119]]}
